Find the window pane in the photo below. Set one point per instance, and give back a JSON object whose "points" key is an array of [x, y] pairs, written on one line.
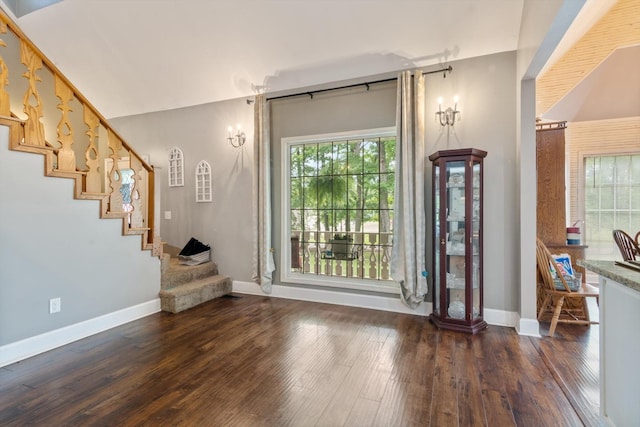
{"points": [[606, 227], [634, 224], [296, 193], [606, 197], [310, 167], [622, 173], [340, 157], [591, 197], [387, 188], [310, 190], [339, 188], [635, 197], [340, 195], [296, 160], [622, 196], [371, 192], [310, 219], [355, 156], [325, 158], [326, 219], [388, 155], [339, 220], [296, 219], [371, 157], [605, 172], [622, 221], [635, 169]]}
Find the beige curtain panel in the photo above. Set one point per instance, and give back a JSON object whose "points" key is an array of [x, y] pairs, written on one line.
{"points": [[408, 251], [263, 263]]}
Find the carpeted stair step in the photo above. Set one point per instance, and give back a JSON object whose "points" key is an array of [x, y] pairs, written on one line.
{"points": [[176, 274], [187, 295]]}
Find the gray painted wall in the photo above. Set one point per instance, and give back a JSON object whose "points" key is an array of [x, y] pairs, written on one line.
{"points": [[67, 252], [487, 90], [201, 132]]}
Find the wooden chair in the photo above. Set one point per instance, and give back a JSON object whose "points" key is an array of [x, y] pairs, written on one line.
{"points": [[555, 299], [628, 247]]}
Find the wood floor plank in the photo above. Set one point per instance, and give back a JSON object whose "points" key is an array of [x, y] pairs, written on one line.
{"points": [[340, 406], [497, 408], [363, 413], [471, 407], [259, 361], [391, 409], [444, 400]]}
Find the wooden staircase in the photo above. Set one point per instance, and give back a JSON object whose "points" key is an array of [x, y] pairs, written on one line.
{"points": [[184, 286], [78, 145]]}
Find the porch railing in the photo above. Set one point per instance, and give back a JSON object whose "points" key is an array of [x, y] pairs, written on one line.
{"points": [[49, 116], [363, 255]]}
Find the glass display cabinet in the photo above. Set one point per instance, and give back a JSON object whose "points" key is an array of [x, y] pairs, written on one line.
{"points": [[457, 231]]}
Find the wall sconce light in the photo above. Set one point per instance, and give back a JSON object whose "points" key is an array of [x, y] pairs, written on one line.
{"points": [[448, 116], [238, 139]]}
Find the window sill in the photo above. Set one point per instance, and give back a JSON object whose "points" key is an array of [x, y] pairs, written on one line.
{"points": [[387, 286]]}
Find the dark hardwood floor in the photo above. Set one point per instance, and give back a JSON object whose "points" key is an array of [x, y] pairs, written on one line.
{"points": [[258, 361]]}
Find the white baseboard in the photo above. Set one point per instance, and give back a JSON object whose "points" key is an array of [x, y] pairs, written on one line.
{"points": [[529, 327], [500, 317], [391, 303], [29, 347]]}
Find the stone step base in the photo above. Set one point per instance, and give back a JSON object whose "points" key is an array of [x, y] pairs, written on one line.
{"points": [[183, 297]]}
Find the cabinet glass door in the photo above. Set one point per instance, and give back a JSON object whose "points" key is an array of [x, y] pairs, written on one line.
{"points": [[455, 240], [475, 241], [436, 219]]}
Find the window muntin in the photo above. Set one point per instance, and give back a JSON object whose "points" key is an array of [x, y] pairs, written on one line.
{"points": [[338, 207]]}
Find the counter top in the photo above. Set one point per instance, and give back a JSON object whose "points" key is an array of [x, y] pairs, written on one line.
{"points": [[609, 269]]}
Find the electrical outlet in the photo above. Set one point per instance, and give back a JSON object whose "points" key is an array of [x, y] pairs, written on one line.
{"points": [[167, 214], [54, 305]]}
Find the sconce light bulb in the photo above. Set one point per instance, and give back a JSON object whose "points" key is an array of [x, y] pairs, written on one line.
{"points": [[238, 127], [230, 129], [456, 99], [439, 100]]}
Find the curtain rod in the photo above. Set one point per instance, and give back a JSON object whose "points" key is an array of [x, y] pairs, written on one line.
{"points": [[311, 92]]}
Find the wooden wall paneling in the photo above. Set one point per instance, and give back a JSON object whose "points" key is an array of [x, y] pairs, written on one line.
{"points": [[550, 157], [618, 27]]}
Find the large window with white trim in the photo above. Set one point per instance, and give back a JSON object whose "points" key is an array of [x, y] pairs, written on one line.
{"points": [[612, 201], [338, 204]]}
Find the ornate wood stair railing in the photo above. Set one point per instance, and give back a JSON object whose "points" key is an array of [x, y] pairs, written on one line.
{"points": [[47, 115]]}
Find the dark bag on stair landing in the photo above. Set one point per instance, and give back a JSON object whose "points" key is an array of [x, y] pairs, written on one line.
{"points": [[194, 253]]}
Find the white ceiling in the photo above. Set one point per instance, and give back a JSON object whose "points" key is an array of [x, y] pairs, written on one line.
{"points": [[135, 56], [150, 55]]}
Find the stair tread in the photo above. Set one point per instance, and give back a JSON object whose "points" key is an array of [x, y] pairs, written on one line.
{"points": [[136, 231], [88, 195], [191, 294]]}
